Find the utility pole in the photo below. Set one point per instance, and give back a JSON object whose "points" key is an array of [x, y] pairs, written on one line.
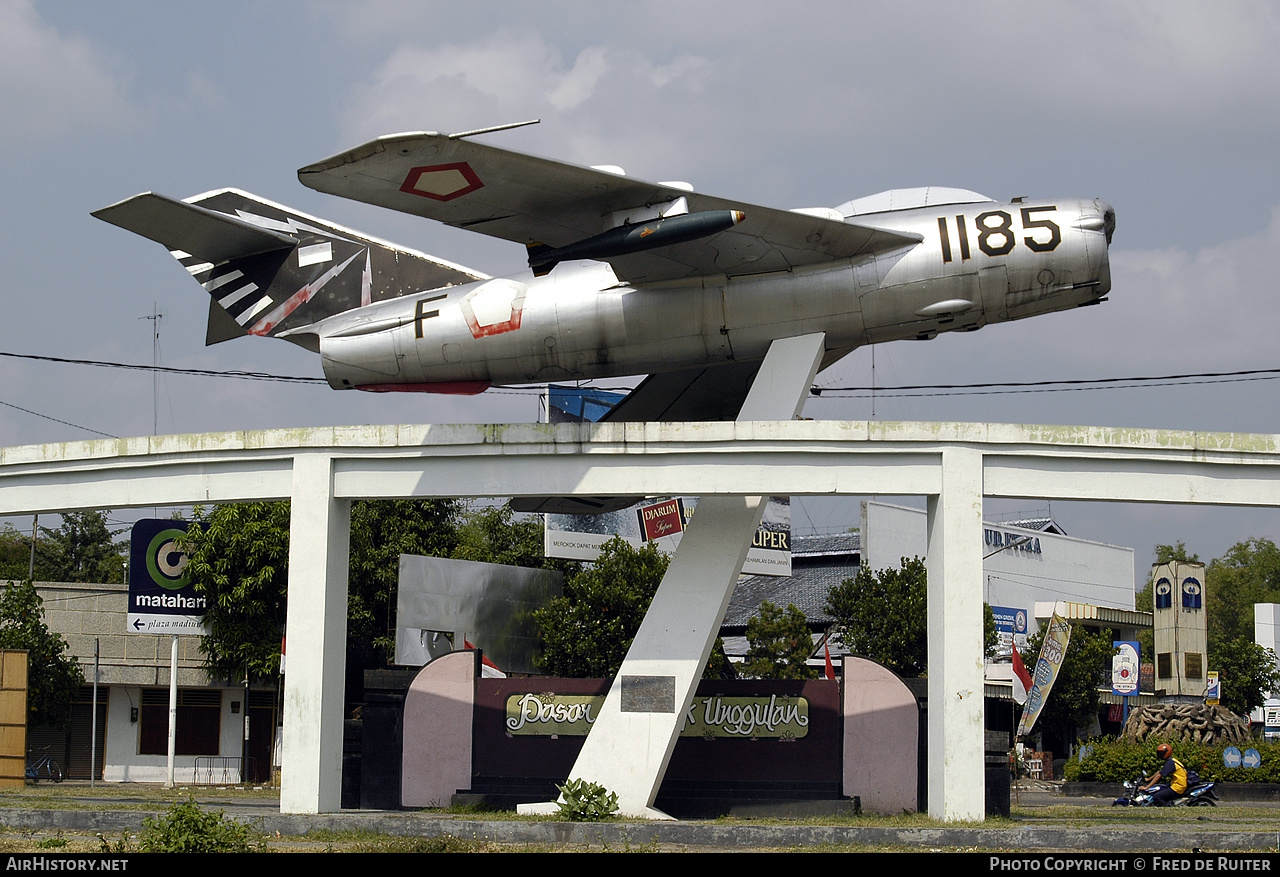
{"points": [[31, 565], [155, 319]]}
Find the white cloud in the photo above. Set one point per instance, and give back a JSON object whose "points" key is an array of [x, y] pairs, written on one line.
{"points": [[503, 77], [579, 83], [51, 84], [1207, 308], [607, 105]]}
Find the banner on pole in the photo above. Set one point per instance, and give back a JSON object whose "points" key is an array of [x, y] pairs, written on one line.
{"points": [[1052, 651]]}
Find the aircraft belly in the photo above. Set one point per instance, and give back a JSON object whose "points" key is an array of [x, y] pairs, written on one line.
{"points": [[993, 284], [759, 310], [478, 341], [634, 331], [592, 330], [361, 359], [902, 311]]}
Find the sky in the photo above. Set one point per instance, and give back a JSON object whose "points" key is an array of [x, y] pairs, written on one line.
{"points": [[1167, 110]]}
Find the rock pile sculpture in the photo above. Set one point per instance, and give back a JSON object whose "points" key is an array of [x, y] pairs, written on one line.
{"points": [[1185, 722]]}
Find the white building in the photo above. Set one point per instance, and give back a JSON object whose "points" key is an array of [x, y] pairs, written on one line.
{"points": [[1022, 564], [133, 699]]}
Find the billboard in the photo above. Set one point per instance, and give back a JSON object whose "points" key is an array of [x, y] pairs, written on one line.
{"points": [[162, 599], [662, 520], [490, 606]]}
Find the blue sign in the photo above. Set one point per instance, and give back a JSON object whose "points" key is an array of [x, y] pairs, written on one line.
{"points": [[1191, 596], [1002, 541], [161, 597], [580, 404], [1125, 667], [1251, 758], [1010, 619], [1231, 757]]}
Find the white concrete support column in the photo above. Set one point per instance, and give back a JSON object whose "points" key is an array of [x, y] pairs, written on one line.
{"points": [[319, 542], [956, 741], [632, 740]]}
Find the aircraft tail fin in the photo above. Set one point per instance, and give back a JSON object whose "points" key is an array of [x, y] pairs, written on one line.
{"points": [[542, 259], [270, 269]]}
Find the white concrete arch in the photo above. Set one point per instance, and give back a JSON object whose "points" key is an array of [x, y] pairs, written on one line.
{"points": [[954, 465]]}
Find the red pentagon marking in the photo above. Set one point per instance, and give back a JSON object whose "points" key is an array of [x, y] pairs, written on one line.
{"points": [[441, 182]]}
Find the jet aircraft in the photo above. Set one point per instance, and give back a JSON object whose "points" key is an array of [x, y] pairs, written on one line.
{"points": [[626, 277]]}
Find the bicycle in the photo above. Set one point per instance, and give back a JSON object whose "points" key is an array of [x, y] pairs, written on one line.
{"points": [[43, 762]]}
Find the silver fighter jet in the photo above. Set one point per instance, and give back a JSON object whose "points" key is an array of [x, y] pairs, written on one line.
{"points": [[626, 277]]}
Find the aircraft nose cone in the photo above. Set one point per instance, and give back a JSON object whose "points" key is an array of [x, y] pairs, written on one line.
{"points": [[1101, 218], [1108, 219]]}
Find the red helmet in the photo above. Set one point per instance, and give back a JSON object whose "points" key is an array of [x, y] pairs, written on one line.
{"points": [[1164, 750]]}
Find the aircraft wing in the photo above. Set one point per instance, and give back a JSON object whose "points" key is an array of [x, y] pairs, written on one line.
{"points": [[700, 394], [531, 200]]}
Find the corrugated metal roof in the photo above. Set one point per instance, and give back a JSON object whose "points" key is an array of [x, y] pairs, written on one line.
{"points": [[832, 543], [817, 563], [1088, 612]]}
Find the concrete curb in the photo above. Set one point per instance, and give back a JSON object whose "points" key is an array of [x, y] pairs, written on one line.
{"points": [[624, 835]]}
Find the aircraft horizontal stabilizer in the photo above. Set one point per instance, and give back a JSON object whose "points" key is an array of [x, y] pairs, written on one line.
{"points": [[271, 270], [214, 237]]}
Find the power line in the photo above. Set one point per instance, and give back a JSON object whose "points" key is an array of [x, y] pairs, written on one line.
{"points": [[56, 420], [900, 391], [208, 373], [1052, 386]]}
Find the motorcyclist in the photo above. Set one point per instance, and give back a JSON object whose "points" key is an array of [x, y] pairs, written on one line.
{"points": [[1173, 775]]}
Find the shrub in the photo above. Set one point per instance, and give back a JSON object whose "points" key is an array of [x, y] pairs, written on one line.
{"points": [[185, 828], [586, 802], [1108, 760]]}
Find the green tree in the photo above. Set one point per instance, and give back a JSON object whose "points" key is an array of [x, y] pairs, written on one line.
{"points": [[779, 644], [380, 533], [586, 632], [1248, 673], [1248, 573], [81, 548], [15, 553], [494, 534], [1074, 700], [52, 675], [241, 562], [883, 616], [990, 636]]}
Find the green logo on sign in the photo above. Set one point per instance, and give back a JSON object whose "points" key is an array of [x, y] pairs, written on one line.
{"points": [[165, 562]]}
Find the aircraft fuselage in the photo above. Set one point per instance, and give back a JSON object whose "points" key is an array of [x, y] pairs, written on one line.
{"points": [[978, 263]]}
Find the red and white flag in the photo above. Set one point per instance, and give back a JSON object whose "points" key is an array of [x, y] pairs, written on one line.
{"points": [[488, 669], [1021, 678]]}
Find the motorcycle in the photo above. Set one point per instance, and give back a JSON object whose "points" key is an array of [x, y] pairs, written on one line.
{"points": [[1199, 793]]}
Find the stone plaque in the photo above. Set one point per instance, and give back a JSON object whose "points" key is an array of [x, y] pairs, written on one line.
{"points": [[648, 694]]}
